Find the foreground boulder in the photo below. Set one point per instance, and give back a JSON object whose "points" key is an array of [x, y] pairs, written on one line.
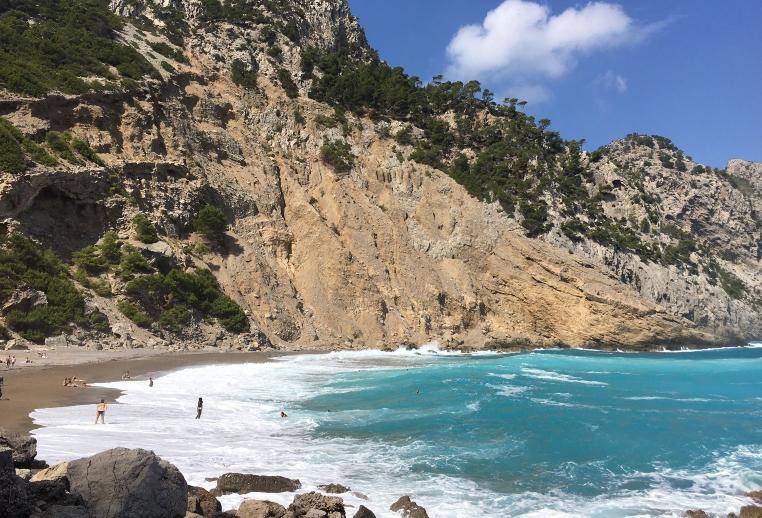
{"points": [[24, 449], [260, 509], [364, 512], [316, 505], [242, 484], [125, 483], [408, 509], [202, 502], [13, 492]]}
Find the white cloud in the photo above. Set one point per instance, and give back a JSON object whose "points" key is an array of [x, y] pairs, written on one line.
{"points": [[523, 39], [531, 93], [612, 81]]}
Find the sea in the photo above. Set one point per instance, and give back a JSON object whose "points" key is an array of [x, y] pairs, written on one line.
{"points": [[548, 433]]}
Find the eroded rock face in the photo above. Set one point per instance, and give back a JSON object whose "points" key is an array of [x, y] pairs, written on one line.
{"points": [[202, 502], [123, 482], [243, 483], [24, 448], [394, 252], [13, 494], [315, 505], [260, 509]]}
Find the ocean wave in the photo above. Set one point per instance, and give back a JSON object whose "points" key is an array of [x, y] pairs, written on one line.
{"points": [[508, 390], [557, 376], [503, 376]]}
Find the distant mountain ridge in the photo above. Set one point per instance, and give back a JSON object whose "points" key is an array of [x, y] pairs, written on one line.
{"points": [[249, 173]]}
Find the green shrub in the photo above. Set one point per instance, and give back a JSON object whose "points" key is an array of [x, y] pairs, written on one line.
{"points": [[59, 142], [327, 122], [89, 260], [84, 149], [230, 315], [210, 222], [733, 286], [338, 155], [23, 263], [168, 51], [174, 297], [284, 76], [11, 156], [169, 68], [574, 229], [132, 312], [241, 75], [145, 232], [133, 263]]}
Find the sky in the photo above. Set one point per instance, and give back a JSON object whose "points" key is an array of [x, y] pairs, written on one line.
{"points": [[690, 70]]}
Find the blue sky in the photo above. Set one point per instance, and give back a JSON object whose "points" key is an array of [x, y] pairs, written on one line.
{"points": [[690, 70]]}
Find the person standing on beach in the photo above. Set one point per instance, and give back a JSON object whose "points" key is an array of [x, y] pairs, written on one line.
{"points": [[150, 381], [199, 408], [1, 387], [100, 412]]}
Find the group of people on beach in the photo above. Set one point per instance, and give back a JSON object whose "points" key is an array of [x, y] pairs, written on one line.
{"points": [[74, 382], [10, 362]]}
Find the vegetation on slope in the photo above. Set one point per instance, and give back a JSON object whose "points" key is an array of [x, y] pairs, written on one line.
{"points": [[23, 264], [60, 44]]}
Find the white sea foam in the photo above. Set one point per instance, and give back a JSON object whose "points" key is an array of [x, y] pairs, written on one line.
{"points": [[557, 376], [504, 376], [508, 390], [241, 431]]}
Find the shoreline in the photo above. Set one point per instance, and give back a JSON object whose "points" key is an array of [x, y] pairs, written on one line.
{"points": [[30, 387]]}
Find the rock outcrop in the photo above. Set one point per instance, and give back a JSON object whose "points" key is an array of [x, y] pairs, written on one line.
{"points": [[260, 509], [387, 252], [203, 502], [23, 447], [244, 483], [123, 482], [315, 505], [408, 509], [364, 512]]}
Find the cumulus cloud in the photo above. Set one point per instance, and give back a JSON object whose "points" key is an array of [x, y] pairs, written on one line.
{"points": [[522, 38], [612, 81], [532, 93]]}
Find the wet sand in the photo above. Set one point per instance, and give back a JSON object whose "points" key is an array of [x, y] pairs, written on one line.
{"points": [[39, 385]]}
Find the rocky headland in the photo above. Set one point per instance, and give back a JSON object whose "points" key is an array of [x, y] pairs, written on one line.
{"points": [[250, 175]]}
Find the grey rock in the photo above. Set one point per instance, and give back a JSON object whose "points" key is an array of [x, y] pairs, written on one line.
{"points": [[331, 506], [260, 509], [202, 502], [334, 488], [129, 483], [364, 512], [243, 483], [13, 491], [24, 299], [408, 509], [24, 448], [56, 341]]}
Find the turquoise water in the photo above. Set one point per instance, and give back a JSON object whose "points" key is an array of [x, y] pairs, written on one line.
{"points": [[579, 423], [539, 434]]}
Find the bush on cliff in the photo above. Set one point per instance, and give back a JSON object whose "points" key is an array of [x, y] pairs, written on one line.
{"points": [[13, 146], [338, 155], [210, 222], [145, 232], [242, 75], [25, 264], [172, 299]]}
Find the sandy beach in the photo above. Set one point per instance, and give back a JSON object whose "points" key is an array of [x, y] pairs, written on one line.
{"points": [[39, 384]]}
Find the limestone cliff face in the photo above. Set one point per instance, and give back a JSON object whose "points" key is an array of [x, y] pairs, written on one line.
{"points": [[392, 252]]}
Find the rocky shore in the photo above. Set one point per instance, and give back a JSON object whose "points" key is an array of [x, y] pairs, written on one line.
{"points": [[128, 483], [136, 483]]}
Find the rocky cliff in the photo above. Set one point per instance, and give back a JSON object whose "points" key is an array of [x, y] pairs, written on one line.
{"points": [[352, 216]]}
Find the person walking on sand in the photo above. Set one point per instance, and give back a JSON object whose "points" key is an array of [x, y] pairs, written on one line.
{"points": [[150, 381], [199, 408], [1, 387], [100, 412]]}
